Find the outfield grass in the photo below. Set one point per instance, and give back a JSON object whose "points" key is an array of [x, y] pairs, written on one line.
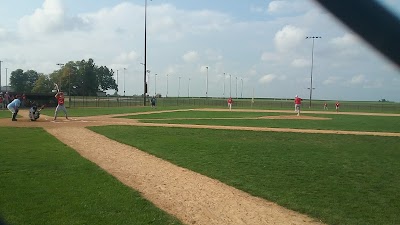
{"points": [[337, 122], [42, 181], [5, 114], [340, 179]]}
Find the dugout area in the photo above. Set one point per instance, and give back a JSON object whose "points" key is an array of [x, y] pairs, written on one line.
{"points": [[46, 99]]}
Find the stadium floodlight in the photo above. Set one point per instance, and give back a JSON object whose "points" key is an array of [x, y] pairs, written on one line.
{"points": [[312, 64]]}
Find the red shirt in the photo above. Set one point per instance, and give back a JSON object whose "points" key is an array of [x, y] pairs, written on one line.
{"points": [[230, 101], [297, 100], [60, 99], [337, 104]]}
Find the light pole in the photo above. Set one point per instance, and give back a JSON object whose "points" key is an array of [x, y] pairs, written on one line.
{"points": [[167, 87], [223, 94], [230, 85], [155, 84], [207, 83], [124, 80], [6, 80], [0, 74], [312, 64], [241, 93], [236, 89], [69, 87], [148, 82], [61, 65], [179, 87], [117, 83], [145, 54], [189, 88]]}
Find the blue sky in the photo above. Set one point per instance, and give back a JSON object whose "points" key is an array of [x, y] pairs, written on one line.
{"points": [[260, 44]]}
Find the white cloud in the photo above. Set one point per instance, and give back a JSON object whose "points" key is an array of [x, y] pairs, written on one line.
{"points": [[345, 41], [49, 17], [275, 6], [191, 56], [332, 80], [213, 55], [288, 38], [128, 57], [301, 63], [364, 82], [358, 79], [169, 23], [257, 9], [266, 79], [374, 84], [269, 56], [172, 70], [286, 7], [204, 69], [3, 33]]}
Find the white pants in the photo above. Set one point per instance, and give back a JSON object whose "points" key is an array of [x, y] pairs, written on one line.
{"points": [[297, 107], [12, 109], [60, 107]]}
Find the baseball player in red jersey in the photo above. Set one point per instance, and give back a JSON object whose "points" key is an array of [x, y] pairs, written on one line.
{"points": [[230, 101], [297, 104], [60, 100], [337, 104]]}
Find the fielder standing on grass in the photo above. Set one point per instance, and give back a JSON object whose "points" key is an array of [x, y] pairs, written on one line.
{"points": [[297, 104], [337, 104], [60, 106], [14, 107], [230, 101]]}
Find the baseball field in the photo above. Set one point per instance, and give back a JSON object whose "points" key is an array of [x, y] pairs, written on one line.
{"points": [[139, 165]]}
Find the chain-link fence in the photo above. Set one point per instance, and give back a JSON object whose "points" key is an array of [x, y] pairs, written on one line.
{"points": [[132, 101]]}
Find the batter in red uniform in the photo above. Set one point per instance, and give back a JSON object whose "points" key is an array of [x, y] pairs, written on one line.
{"points": [[60, 100]]}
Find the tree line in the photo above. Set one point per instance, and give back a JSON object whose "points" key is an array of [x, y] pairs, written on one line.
{"points": [[83, 78]]}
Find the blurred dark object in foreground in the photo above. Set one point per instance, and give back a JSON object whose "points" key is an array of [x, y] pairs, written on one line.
{"points": [[373, 22]]}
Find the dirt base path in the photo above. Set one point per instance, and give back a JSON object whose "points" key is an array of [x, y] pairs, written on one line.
{"points": [[191, 197]]}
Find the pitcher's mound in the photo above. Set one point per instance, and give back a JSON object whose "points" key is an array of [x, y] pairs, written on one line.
{"points": [[294, 117]]}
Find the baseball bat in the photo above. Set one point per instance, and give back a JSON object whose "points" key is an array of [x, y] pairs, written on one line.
{"points": [[56, 86]]}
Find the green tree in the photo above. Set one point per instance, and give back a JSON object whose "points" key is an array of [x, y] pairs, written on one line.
{"points": [[80, 77], [23, 82], [84, 78], [105, 78], [43, 84]]}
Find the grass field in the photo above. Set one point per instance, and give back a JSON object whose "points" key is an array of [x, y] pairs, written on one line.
{"points": [[45, 182], [5, 114], [336, 122], [340, 179]]}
